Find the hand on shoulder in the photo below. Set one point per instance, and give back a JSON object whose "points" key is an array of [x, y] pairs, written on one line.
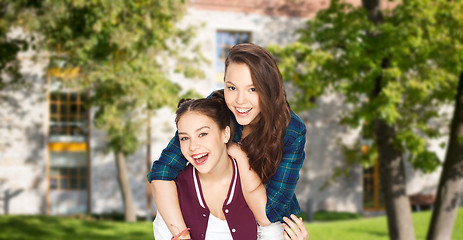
{"points": [[235, 151]]}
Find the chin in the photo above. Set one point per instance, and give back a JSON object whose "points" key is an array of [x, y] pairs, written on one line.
{"points": [[242, 120], [203, 171], [242, 123]]}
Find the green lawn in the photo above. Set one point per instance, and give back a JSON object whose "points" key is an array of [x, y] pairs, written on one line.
{"points": [[61, 228], [51, 228], [375, 228]]}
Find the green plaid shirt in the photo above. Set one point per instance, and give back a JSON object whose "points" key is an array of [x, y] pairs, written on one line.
{"points": [[281, 199]]}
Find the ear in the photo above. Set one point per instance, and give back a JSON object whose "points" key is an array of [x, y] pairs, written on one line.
{"points": [[226, 134]]}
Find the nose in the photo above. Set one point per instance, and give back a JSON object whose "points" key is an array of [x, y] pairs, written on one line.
{"points": [[194, 145], [241, 98]]}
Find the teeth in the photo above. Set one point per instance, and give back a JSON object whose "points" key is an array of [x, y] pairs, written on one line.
{"points": [[200, 156], [243, 110]]}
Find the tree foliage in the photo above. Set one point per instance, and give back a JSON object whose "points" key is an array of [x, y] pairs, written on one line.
{"points": [[10, 46], [342, 49], [396, 71], [122, 51]]}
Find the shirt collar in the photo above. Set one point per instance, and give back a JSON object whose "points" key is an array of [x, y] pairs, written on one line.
{"points": [[231, 189]]}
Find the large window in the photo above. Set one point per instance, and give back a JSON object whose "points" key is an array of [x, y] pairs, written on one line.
{"points": [[224, 41], [68, 116], [68, 171], [68, 175]]}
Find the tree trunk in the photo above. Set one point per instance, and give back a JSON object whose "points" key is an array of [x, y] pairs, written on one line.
{"points": [[374, 10], [451, 180], [391, 165], [393, 183], [127, 199]]}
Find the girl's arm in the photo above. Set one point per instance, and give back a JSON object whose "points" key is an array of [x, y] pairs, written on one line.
{"points": [[253, 189], [160, 229], [279, 199], [166, 200], [163, 188]]}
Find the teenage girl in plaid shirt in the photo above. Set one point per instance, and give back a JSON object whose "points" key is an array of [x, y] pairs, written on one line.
{"points": [[270, 140]]}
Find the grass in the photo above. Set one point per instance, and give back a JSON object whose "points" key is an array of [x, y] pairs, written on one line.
{"points": [[375, 228], [323, 216], [63, 228], [57, 228]]}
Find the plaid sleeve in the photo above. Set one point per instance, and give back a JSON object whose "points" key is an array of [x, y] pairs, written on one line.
{"points": [[169, 164], [281, 199]]}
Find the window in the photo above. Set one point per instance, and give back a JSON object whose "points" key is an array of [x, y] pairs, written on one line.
{"points": [[68, 116], [67, 171], [372, 195], [68, 178], [224, 41]]}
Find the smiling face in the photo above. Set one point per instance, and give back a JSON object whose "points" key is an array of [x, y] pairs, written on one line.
{"points": [[240, 94], [202, 142]]}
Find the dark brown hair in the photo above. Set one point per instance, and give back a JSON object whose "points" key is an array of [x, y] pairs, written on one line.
{"points": [[264, 145], [213, 107]]}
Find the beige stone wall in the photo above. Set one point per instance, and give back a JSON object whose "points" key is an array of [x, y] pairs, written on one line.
{"points": [[324, 156], [23, 142]]}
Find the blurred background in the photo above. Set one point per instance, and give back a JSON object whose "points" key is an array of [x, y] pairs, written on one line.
{"points": [[88, 91]]}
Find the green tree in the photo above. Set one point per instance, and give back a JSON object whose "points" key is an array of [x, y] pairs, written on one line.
{"points": [[448, 52], [10, 46], [389, 67], [122, 52]]}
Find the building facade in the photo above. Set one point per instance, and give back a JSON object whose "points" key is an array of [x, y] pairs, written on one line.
{"points": [[53, 160]]}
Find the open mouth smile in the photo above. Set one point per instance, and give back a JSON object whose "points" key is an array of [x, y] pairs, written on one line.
{"points": [[243, 111], [200, 159]]}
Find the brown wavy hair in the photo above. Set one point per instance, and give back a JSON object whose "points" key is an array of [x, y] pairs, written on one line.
{"points": [[264, 145]]}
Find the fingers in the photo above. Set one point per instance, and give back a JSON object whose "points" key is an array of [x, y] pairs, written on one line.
{"points": [[285, 235], [299, 223], [295, 228], [234, 150], [291, 229], [288, 233]]}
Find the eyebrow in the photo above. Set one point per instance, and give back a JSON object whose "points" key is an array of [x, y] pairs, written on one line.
{"points": [[250, 85], [197, 130]]}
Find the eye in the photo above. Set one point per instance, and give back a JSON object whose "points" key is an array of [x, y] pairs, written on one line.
{"points": [[231, 88], [184, 138], [202, 134], [252, 89]]}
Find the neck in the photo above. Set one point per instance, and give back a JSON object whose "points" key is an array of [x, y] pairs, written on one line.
{"points": [[221, 172]]}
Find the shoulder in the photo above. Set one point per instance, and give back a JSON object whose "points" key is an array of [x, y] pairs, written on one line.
{"points": [[295, 135], [296, 127], [216, 93], [185, 175]]}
